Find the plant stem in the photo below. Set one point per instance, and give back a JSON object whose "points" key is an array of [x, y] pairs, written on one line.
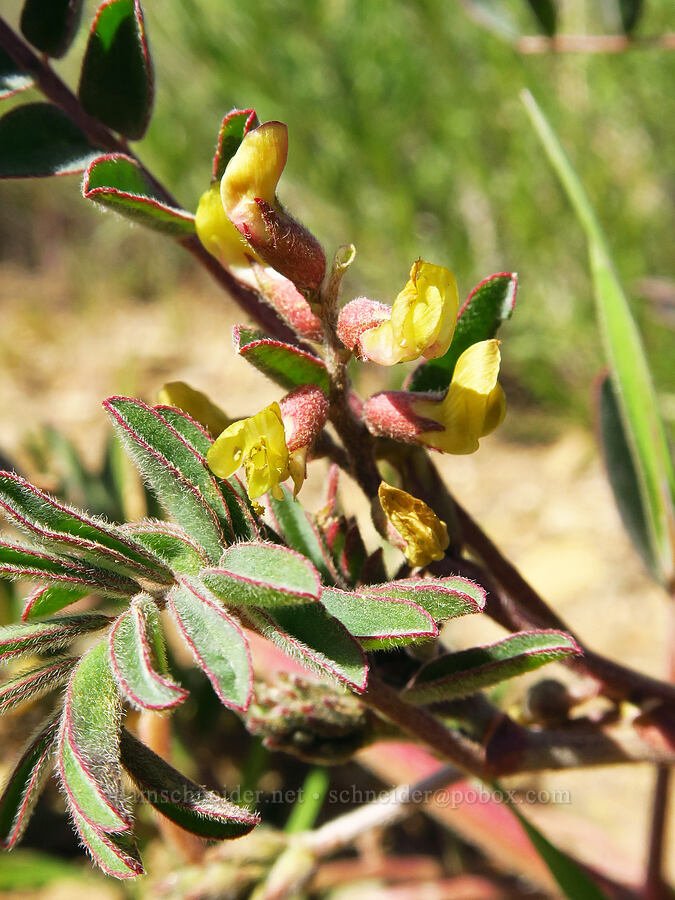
{"points": [[100, 136], [593, 43]]}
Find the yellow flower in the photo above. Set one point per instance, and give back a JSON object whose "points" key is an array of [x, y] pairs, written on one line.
{"points": [[422, 322], [473, 406], [252, 174], [218, 234], [423, 537], [259, 445]]}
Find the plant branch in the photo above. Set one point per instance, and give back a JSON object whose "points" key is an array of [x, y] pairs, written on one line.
{"points": [[58, 92]]}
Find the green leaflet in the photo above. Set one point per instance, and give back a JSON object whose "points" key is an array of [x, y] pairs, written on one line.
{"points": [[467, 671], [379, 622], [118, 182], [322, 643], [442, 598], [115, 853], [88, 755], [178, 476], [34, 683], [24, 785], [267, 575], [48, 600], [34, 637], [216, 640], [289, 366], [116, 83], [171, 544], [138, 658], [38, 140], [51, 25], [12, 78], [233, 129], [298, 530], [178, 798]]}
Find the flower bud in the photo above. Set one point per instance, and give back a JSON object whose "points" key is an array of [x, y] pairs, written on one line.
{"points": [[357, 316], [413, 526], [304, 412], [392, 414]]}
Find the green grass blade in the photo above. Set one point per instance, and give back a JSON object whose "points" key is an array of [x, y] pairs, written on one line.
{"points": [[629, 369]]}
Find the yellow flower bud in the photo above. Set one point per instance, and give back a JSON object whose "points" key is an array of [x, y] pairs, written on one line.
{"points": [[259, 445], [473, 406], [218, 234], [252, 174], [422, 322], [423, 537], [195, 404]]}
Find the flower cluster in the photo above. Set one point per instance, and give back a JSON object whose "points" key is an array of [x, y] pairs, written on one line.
{"points": [[241, 222]]}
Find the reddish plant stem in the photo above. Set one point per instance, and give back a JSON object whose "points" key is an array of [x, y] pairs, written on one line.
{"points": [[58, 92]]}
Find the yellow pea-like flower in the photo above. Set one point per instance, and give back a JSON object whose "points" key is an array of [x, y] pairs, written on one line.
{"points": [[259, 445], [423, 536], [218, 234], [473, 406], [422, 322]]}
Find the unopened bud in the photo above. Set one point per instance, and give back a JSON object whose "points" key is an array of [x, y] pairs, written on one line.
{"points": [[392, 414], [358, 316]]}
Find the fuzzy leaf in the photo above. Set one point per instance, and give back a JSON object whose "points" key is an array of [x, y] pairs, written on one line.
{"points": [[17, 561], [190, 806], [379, 622], [189, 429], [38, 140], [442, 598], [264, 575], [46, 601], [116, 82], [298, 530], [51, 25], [12, 78], [24, 785], [138, 658], [488, 305], [35, 637], [118, 182], [622, 475], [233, 129], [42, 517], [467, 671], [34, 683], [171, 544], [317, 639], [115, 853], [287, 365], [176, 473], [217, 642], [88, 755]]}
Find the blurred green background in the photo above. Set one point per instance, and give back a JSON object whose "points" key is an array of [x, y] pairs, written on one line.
{"points": [[408, 138]]}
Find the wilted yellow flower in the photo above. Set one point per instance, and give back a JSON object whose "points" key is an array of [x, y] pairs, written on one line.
{"points": [[196, 404], [423, 536], [422, 322], [259, 445], [473, 406]]}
